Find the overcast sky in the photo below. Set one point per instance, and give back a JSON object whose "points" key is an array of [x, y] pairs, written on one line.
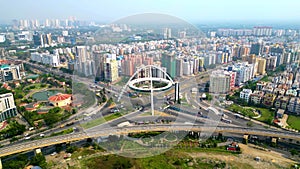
{"points": [[190, 10]]}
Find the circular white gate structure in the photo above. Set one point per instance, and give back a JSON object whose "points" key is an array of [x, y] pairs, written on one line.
{"points": [[149, 77]]}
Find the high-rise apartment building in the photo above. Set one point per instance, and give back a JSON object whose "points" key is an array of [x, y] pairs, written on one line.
{"points": [[219, 82], [46, 58], [261, 66], [256, 48], [169, 62], [262, 31], [7, 106]]}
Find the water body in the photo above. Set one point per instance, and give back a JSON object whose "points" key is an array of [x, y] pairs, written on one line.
{"points": [[44, 95]]}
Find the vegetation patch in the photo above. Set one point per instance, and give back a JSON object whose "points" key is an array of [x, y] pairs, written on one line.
{"points": [[294, 122]]}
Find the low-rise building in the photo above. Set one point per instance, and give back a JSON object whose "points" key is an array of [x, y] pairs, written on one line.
{"points": [[291, 92], [260, 85], [281, 102], [269, 99], [279, 91], [269, 88], [280, 113], [256, 97], [245, 94], [294, 105], [60, 100]]}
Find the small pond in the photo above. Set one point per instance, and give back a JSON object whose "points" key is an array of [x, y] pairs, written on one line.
{"points": [[44, 95]]}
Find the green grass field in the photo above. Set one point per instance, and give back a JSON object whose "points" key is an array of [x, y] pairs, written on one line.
{"points": [[294, 122], [267, 115], [169, 160], [246, 111], [101, 120]]}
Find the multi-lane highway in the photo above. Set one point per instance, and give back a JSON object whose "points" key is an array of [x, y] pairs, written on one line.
{"points": [[26, 146]]}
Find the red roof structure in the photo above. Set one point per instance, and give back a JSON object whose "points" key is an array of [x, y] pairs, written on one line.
{"points": [[59, 97]]}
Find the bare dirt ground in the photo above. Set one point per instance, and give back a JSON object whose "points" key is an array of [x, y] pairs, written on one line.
{"points": [[269, 159]]}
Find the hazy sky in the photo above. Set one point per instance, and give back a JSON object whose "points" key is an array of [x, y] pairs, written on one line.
{"points": [[190, 10]]}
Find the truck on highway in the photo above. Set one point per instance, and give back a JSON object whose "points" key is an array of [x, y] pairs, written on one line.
{"points": [[123, 124]]}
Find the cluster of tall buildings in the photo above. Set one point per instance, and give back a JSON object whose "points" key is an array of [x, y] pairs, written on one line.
{"points": [[84, 62], [46, 58], [167, 33], [130, 63], [216, 57], [43, 40], [275, 55], [236, 75], [181, 66], [71, 22], [262, 31], [256, 31], [107, 66]]}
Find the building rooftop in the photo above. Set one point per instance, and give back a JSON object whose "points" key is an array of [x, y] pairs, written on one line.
{"points": [[280, 111], [247, 91], [59, 97], [6, 95], [4, 66]]}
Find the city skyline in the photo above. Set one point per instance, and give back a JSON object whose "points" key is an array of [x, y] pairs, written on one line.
{"points": [[208, 11]]}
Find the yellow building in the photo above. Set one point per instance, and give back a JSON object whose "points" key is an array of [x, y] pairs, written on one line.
{"points": [[252, 59], [269, 99], [60, 100], [111, 72], [261, 66], [114, 70]]}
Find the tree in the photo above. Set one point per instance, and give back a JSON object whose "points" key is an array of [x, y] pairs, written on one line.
{"points": [[294, 152], [110, 101], [51, 119], [104, 90], [19, 162], [74, 111], [71, 149], [206, 87], [22, 109], [3, 90], [14, 129], [58, 147], [209, 97], [39, 160], [122, 164], [104, 99]]}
